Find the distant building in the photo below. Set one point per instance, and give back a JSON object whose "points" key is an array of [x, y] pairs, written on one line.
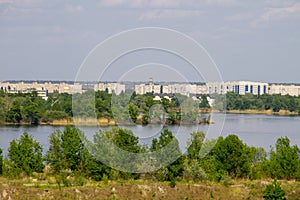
{"points": [[293, 90], [70, 88], [116, 88], [239, 87], [21, 87], [43, 89], [184, 89], [147, 88]]}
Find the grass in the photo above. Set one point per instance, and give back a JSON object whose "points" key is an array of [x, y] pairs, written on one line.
{"points": [[140, 189]]}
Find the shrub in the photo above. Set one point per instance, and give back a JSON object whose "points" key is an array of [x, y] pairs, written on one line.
{"points": [[274, 191]]}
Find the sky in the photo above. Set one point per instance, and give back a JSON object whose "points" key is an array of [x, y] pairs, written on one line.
{"points": [[256, 40]]}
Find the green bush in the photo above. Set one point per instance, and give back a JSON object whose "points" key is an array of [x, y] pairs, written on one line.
{"points": [[274, 191]]}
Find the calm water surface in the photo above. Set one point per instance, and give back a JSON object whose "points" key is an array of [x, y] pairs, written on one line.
{"points": [[254, 130]]}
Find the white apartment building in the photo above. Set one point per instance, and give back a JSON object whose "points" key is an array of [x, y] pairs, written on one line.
{"points": [[116, 88], [184, 89], [42, 88], [147, 88], [70, 88], [293, 90], [239, 87]]}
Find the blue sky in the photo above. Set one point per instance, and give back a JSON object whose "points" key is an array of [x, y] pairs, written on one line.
{"points": [[255, 40]]}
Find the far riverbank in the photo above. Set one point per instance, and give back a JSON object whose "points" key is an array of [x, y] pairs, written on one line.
{"points": [[111, 122], [264, 112]]}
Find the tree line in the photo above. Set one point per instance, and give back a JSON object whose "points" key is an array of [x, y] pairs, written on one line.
{"points": [[142, 109], [217, 160], [275, 102], [32, 109]]}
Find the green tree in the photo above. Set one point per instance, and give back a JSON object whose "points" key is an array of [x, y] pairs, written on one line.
{"points": [[54, 155], [285, 161], [193, 171], [168, 147], [67, 150], [32, 113], [145, 119], [26, 154], [166, 103], [232, 156], [292, 104], [195, 145], [276, 104], [124, 139], [204, 102], [133, 112], [258, 157], [171, 118], [14, 114]]}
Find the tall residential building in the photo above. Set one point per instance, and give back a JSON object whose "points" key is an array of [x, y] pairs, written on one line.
{"points": [[239, 87]]}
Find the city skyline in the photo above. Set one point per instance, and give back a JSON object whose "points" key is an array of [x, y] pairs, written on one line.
{"points": [[159, 88], [139, 81]]}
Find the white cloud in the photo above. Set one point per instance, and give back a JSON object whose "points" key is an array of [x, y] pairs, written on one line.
{"points": [[271, 14], [168, 14]]}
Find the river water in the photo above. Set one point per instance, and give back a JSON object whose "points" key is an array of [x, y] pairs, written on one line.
{"points": [[254, 130]]}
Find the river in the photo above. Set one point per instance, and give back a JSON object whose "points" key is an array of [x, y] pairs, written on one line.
{"points": [[254, 130]]}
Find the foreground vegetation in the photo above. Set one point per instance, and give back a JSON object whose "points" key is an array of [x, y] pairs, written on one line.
{"points": [[207, 168], [35, 188]]}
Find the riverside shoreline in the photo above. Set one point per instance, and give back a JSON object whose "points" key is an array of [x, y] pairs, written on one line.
{"points": [[111, 122]]}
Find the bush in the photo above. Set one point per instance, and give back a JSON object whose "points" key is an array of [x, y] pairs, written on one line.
{"points": [[274, 191], [172, 183], [193, 171]]}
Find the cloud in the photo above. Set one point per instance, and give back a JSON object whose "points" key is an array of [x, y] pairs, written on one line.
{"points": [[271, 14], [168, 14]]}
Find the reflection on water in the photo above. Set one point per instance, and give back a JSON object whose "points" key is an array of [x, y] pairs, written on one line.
{"points": [[254, 130]]}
